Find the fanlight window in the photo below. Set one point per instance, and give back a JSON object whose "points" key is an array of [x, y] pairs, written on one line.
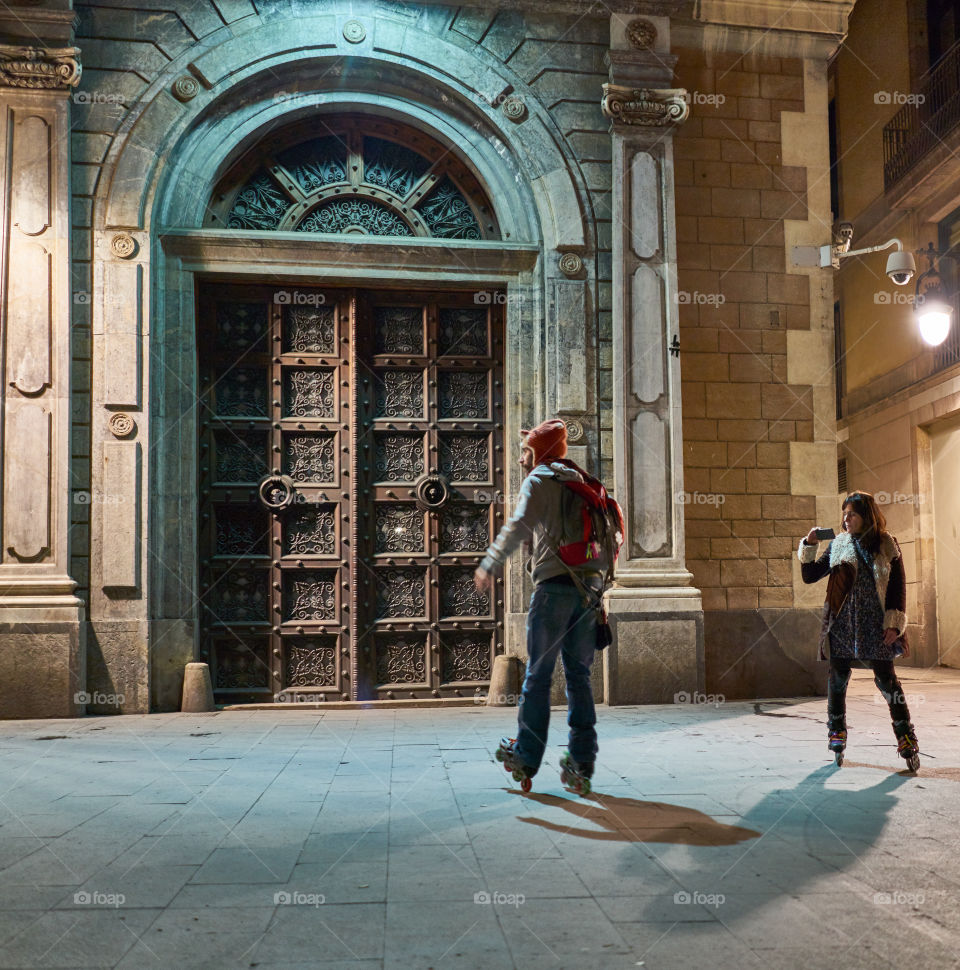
{"points": [[353, 175]]}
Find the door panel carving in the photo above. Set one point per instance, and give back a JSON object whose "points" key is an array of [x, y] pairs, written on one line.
{"points": [[351, 590]]}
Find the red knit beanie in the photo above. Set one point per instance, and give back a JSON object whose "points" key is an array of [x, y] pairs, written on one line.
{"points": [[547, 440]]}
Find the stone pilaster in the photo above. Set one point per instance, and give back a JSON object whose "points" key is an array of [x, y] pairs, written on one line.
{"points": [[656, 611], [42, 661]]}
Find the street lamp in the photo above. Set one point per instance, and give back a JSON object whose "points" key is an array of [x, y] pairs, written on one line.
{"points": [[932, 311]]}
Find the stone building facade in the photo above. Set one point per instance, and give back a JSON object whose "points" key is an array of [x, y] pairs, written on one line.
{"points": [[232, 433]]}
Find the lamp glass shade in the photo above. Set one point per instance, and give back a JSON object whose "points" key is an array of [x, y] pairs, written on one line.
{"points": [[933, 318]]}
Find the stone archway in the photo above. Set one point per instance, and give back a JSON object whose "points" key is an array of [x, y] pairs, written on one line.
{"points": [[535, 209]]}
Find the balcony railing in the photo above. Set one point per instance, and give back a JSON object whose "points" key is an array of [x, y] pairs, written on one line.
{"points": [[917, 128]]}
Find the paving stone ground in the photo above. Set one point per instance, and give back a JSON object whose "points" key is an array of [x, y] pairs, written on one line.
{"points": [[721, 835]]}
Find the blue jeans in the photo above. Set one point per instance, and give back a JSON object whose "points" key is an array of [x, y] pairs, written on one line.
{"points": [[558, 623]]}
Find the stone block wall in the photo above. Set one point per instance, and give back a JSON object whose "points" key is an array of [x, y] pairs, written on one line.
{"points": [[745, 409]]}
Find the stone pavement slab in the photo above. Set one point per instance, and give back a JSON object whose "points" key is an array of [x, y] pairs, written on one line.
{"points": [[719, 835]]}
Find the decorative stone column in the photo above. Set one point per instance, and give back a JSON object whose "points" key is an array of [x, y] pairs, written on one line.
{"points": [[42, 658], [656, 611]]}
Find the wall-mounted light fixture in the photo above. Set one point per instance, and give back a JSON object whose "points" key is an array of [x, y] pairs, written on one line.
{"points": [[931, 308]]}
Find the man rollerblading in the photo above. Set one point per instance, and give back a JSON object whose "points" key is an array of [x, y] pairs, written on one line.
{"points": [[574, 530]]}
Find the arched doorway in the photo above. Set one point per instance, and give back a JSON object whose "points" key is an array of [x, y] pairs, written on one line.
{"points": [[350, 439]]}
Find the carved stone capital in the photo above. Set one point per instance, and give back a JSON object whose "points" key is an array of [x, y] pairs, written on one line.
{"points": [[39, 68], [644, 107]]}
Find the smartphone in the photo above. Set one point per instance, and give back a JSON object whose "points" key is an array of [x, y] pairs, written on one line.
{"points": [[825, 534]]}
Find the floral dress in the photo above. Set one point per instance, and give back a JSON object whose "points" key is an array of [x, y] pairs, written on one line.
{"points": [[857, 630]]}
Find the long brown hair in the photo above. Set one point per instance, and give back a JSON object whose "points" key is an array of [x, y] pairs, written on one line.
{"points": [[874, 523]]}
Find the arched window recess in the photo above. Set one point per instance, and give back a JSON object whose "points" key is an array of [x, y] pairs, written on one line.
{"points": [[353, 174]]}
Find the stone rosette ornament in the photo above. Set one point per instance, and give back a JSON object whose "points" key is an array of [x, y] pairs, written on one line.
{"points": [[645, 107], [642, 34], [39, 68], [570, 264], [123, 245], [185, 88], [575, 431], [354, 31], [514, 108], [121, 425]]}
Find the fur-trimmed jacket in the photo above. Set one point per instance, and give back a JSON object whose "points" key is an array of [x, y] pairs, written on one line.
{"points": [[841, 562]]}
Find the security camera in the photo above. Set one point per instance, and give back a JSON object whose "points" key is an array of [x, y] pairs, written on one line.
{"points": [[901, 267]]}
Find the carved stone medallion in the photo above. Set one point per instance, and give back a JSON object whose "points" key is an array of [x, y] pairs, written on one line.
{"points": [[642, 34], [123, 245]]}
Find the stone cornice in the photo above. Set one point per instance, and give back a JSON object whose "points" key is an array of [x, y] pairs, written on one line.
{"points": [[39, 68], [644, 107], [807, 16]]}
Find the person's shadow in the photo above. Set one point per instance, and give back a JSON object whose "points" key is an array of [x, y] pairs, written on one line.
{"points": [[804, 833], [632, 820]]}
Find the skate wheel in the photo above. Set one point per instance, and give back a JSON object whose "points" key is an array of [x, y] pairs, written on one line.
{"points": [[526, 784], [586, 787], [518, 775], [838, 755], [564, 778], [913, 763], [498, 754]]}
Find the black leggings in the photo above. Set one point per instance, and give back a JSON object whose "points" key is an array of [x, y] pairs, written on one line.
{"points": [[884, 676]]}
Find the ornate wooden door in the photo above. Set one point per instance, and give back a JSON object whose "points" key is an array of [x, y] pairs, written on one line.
{"points": [[351, 455]]}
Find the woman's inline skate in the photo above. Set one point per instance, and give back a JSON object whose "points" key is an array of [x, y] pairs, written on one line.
{"points": [[837, 740], [907, 745]]}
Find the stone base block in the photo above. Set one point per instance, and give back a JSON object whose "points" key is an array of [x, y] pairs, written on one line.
{"points": [[118, 679], [655, 655], [171, 649], [763, 653], [42, 670]]}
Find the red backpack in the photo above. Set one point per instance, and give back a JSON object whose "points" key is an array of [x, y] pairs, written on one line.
{"points": [[602, 522]]}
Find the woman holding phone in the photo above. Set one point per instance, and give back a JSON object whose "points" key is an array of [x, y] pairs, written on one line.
{"points": [[864, 615]]}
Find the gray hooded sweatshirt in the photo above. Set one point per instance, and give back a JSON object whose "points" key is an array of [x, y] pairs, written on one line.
{"points": [[549, 515]]}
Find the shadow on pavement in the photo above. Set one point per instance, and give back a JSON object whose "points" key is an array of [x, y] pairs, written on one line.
{"points": [[632, 820]]}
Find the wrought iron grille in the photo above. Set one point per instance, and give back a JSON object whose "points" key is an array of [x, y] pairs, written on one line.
{"points": [[367, 177]]}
